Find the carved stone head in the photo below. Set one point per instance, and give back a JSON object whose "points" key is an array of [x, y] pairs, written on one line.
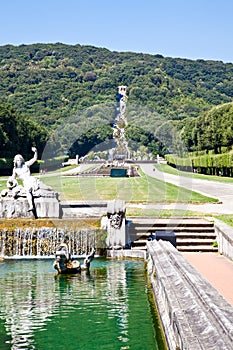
{"points": [[18, 160]]}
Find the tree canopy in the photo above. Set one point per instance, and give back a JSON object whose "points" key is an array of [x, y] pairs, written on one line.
{"points": [[18, 133], [49, 82], [210, 131]]}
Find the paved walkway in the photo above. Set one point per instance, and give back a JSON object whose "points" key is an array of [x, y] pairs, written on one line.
{"points": [[216, 269]]}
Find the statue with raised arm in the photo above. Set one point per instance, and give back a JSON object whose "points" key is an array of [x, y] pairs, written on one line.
{"points": [[22, 171]]}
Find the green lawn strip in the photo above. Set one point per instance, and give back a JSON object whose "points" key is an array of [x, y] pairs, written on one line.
{"points": [[170, 170], [2, 184], [136, 189], [163, 212], [227, 218], [67, 168]]}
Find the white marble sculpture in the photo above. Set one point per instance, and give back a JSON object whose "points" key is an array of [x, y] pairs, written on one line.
{"points": [[22, 171]]}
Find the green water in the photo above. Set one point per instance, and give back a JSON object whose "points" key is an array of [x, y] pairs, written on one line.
{"points": [[106, 309]]}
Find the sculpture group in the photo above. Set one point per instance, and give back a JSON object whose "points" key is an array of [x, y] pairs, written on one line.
{"points": [[12, 202], [31, 184]]}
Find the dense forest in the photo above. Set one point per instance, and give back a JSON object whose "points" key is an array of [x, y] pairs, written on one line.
{"points": [[44, 86], [19, 133]]}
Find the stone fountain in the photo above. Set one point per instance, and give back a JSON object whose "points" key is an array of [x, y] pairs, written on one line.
{"points": [[121, 151], [33, 242]]}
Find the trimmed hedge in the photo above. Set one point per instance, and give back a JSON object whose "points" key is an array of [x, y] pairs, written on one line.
{"points": [[211, 164]]}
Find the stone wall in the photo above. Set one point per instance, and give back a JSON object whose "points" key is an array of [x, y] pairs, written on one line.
{"points": [[224, 235], [115, 224], [46, 204], [18, 208], [126, 253]]}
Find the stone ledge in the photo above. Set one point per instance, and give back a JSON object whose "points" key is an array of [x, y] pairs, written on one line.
{"points": [[126, 253], [224, 234], [18, 208], [194, 315]]}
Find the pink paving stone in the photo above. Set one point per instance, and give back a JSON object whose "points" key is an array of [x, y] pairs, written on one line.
{"points": [[216, 269]]}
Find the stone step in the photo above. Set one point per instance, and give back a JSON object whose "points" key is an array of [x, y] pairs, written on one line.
{"points": [[184, 235], [170, 227], [191, 234], [194, 234], [147, 228], [140, 242], [179, 242], [143, 247], [197, 248], [183, 248], [194, 241], [169, 221]]}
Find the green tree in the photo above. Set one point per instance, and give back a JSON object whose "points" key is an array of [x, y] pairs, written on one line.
{"points": [[211, 130], [18, 134]]}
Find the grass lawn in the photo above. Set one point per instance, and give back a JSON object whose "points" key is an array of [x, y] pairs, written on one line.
{"points": [[2, 184], [137, 190], [227, 218], [142, 189]]}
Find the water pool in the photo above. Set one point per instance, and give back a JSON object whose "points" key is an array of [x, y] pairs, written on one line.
{"points": [[105, 309]]}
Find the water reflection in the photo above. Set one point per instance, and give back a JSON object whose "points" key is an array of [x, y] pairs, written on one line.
{"points": [[117, 296], [26, 299], [41, 310]]}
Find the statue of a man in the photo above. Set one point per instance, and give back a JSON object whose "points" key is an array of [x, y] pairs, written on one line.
{"points": [[22, 171]]}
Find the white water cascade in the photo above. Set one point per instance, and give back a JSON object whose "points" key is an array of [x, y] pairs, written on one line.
{"points": [[121, 151], [42, 242]]}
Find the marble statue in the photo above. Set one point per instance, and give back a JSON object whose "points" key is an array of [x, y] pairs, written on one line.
{"points": [[41, 200], [65, 264], [22, 171]]}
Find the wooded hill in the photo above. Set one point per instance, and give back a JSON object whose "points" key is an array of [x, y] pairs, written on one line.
{"points": [[51, 83]]}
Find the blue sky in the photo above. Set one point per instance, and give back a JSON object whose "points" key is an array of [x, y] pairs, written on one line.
{"points": [[195, 29]]}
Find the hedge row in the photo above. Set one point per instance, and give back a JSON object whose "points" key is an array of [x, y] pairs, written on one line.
{"points": [[212, 164]]}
